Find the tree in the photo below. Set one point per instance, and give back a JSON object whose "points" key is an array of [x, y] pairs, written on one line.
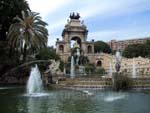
{"points": [[136, 50], [148, 42], [47, 53], [8, 10], [28, 34], [100, 46]]}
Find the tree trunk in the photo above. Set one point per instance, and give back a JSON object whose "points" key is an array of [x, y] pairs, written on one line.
{"points": [[24, 53]]}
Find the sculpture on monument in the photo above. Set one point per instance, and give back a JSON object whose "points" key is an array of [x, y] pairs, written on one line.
{"points": [[74, 16]]}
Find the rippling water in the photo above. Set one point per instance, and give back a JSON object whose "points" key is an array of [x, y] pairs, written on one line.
{"points": [[14, 100]]}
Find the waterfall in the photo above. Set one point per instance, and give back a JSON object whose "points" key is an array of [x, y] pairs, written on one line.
{"points": [[133, 70], [78, 56], [110, 70], [64, 71], [118, 56], [72, 68], [34, 84]]}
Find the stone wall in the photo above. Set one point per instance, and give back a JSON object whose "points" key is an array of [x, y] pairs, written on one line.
{"points": [[142, 64]]}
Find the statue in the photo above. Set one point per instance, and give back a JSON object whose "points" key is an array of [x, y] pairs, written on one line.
{"points": [[74, 16]]}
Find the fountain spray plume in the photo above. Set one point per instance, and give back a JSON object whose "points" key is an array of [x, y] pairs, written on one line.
{"points": [[110, 70], [34, 84], [72, 68], [118, 61], [133, 69]]}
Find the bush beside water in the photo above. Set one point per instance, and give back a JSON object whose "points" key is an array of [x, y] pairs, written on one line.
{"points": [[121, 82]]}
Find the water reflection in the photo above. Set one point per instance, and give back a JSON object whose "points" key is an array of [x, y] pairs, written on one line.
{"points": [[59, 102], [78, 101], [35, 105]]}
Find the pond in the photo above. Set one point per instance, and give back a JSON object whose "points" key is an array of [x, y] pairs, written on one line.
{"points": [[14, 100]]}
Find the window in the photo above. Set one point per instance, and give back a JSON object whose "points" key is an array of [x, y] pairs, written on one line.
{"points": [[61, 48], [89, 49]]}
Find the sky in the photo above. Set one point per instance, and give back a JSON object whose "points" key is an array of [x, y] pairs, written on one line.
{"points": [[105, 19]]}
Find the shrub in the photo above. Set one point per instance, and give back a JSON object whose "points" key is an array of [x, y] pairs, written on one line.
{"points": [[100, 71], [89, 68], [121, 82]]}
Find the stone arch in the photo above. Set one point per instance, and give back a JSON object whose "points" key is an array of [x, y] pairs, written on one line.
{"points": [[89, 49], [99, 63], [77, 39], [61, 48]]}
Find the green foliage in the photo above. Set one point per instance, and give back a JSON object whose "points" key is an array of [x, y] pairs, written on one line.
{"points": [[83, 60], [89, 68], [8, 10], [100, 71], [136, 50], [100, 46], [7, 56], [61, 66], [122, 82], [147, 42], [47, 53], [28, 34]]}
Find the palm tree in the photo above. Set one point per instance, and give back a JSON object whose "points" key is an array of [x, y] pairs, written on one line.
{"points": [[8, 10], [28, 34]]}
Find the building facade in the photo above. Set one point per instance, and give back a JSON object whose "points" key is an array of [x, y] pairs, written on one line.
{"points": [[74, 30], [122, 44]]}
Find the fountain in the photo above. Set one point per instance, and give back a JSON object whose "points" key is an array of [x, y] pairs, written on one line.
{"points": [[78, 56], [64, 71], [110, 70], [113, 96], [133, 70], [118, 61], [35, 84], [117, 67], [72, 68]]}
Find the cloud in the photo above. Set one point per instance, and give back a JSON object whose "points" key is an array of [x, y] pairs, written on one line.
{"points": [[120, 34], [45, 7], [56, 12], [52, 40], [110, 8], [103, 9]]}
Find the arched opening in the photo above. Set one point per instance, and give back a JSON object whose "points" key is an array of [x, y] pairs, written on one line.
{"points": [[99, 63], [75, 41], [61, 48], [89, 49]]}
